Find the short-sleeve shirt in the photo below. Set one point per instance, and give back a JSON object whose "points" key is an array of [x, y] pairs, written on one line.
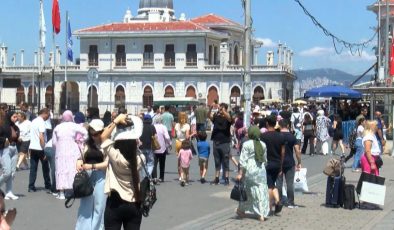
{"points": [[274, 142], [221, 130], [360, 131], [167, 120], [37, 127], [375, 150], [180, 131], [290, 141], [203, 149]]}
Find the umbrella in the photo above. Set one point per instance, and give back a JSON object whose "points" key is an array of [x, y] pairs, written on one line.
{"points": [[335, 91], [300, 102]]}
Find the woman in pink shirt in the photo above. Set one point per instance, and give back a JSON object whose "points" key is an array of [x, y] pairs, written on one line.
{"points": [[185, 156]]}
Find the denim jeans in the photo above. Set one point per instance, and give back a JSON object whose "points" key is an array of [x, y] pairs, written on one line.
{"points": [[9, 158], [150, 160], [289, 174], [35, 156], [91, 209], [359, 153], [50, 153]]}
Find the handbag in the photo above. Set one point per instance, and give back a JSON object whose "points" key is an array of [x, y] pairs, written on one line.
{"points": [[300, 182], [333, 168], [147, 191], [238, 192], [378, 162], [373, 193], [366, 177], [155, 143], [82, 187]]}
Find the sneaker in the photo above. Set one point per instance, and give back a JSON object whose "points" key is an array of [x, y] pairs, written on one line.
{"points": [[226, 182], [55, 194], [182, 183], [61, 196], [215, 182], [292, 206], [180, 178], [203, 180], [187, 184], [11, 196]]}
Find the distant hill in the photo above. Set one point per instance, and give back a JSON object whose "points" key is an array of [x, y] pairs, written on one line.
{"points": [[331, 74]]}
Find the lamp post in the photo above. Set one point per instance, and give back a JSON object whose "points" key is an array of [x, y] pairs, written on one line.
{"points": [[247, 65]]}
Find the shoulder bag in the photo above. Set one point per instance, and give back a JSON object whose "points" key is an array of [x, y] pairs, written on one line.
{"points": [[82, 186], [148, 191]]}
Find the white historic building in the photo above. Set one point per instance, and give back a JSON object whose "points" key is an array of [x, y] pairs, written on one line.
{"points": [[150, 56]]}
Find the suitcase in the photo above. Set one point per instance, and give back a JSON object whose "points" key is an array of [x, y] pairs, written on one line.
{"points": [[349, 201], [335, 191]]}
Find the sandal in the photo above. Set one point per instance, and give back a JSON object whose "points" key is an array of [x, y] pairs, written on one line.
{"points": [[240, 214]]}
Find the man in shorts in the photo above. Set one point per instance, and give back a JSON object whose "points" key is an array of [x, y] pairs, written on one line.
{"points": [[275, 155]]}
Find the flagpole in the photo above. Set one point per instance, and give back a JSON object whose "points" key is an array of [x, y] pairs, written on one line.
{"points": [[53, 70], [40, 58], [65, 69]]}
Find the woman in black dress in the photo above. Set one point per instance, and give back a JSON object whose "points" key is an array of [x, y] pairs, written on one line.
{"points": [[338, 135]]}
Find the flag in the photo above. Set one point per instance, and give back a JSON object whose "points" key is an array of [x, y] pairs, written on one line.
{"points": [[392, 59], [56, 16], [69, 42], [43, 29]]}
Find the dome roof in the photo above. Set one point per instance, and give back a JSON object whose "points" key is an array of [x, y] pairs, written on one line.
{"points": [[156, 4]]}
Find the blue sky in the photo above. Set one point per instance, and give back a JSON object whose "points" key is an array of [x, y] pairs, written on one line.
{"points": [[274, 21]]}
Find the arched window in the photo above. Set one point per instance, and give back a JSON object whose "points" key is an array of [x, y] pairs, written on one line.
{"points": [[72, 100], [32, 100], [169, 92], [235, 96], [20, 95], [48, 95], [191, 92], [147, 98], [92, 96], [212, 95], [258, 95], [120, 97]]}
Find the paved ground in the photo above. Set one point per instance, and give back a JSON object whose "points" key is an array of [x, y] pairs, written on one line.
{"points": [[209, 207]]}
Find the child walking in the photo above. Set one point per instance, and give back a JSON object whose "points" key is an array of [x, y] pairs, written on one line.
{"points": [[203, 149], [185, 156]]}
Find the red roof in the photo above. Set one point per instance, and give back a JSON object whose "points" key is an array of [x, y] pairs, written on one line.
{"points": [[213, 19], [139, 26]]}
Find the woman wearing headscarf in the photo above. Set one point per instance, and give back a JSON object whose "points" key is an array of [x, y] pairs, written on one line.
{"points": [[67, 151], [252, 170], [122, 177]]}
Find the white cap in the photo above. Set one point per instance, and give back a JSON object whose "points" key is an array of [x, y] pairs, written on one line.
{"points": [[97, 125], [129, 133]]}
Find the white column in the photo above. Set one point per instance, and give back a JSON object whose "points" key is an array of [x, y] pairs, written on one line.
{"points": [[51, 59], [35, 58], [284, 57], [58, 54], [14, 59], [279, 54]]}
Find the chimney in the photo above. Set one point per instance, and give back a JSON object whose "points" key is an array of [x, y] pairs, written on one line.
{"points": [[279, 53], [284, 57], [51, 59], [3, 55], [270, 58], [58, 54], [14, 59], [22, 56], [35, 58]]}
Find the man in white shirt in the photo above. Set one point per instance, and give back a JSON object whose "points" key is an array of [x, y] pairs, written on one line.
{"points": [[37, 144]]}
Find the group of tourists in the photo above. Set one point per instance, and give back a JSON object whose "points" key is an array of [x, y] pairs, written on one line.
{"points": [[269, 153]]}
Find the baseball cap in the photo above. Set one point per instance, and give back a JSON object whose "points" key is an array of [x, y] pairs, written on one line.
{"points": [[97, 125]]}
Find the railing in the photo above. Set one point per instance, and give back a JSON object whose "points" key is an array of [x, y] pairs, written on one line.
{"points": [[347, 129], [35, 68]]}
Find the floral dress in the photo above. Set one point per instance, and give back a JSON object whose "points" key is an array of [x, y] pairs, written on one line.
{"points": [[255, 181], [322, 124]]}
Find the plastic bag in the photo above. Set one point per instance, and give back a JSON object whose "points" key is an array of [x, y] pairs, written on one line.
{"points": [[300, 183]]}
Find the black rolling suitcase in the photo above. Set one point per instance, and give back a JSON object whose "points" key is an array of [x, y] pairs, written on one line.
{"points": [[335, 191]]}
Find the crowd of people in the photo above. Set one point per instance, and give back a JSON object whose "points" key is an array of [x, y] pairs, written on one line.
{"points": [[269, 149]]}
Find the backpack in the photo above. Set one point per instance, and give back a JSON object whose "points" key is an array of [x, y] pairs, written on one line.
{"points": [[148, 192], [297, 122], [352, 139]]}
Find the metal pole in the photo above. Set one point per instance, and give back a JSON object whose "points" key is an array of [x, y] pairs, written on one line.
{"points": [[387, 56], [66, 56], [247, 80], [392, 131], [91, 94], [379, 41]]}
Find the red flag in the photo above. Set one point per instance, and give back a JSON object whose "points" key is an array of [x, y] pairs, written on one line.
{"points": [[56, 16], [392, 59]]}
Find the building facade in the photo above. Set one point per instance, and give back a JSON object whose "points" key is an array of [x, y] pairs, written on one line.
{"points": [[152, 56]]}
